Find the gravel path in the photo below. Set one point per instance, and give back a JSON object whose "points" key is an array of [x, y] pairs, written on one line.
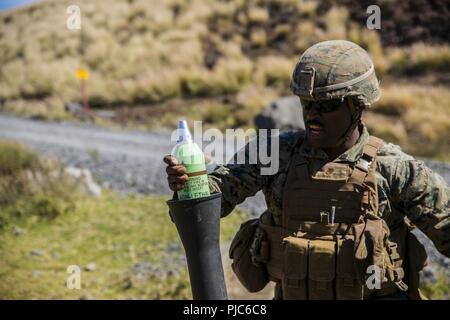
{"points": [[129, 161], [123, 161]]}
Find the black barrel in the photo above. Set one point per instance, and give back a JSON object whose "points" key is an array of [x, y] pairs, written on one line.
{"points": [[198, 224]]}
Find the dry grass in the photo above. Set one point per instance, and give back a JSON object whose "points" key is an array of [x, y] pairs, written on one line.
{"points": [[308, 7], [51, 108], [250, 101], [419, 58], [274, 71], [416, 117], [335, 20], [137, 56], [308, 32], [258, 15]]}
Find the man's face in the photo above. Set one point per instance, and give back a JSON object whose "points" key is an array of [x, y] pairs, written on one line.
{"points": [[325, 121]]}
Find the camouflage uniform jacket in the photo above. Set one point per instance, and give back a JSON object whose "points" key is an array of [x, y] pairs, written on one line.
{"points": [[406, 187]]}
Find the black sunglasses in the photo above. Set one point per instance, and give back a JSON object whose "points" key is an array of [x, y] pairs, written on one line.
{"points": [[321, 105]]}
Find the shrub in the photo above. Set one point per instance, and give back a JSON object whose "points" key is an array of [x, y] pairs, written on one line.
{"points": [[16, 157], [32, 187], [43, 206]]}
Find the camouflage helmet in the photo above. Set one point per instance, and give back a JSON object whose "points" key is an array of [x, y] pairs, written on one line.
{"points": [[336, 69]]}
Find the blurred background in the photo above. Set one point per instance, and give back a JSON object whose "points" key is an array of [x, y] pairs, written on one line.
{"points": [[85, 116]]}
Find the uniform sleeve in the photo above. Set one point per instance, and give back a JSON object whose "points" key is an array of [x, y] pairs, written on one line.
{"points": [[240, 178], [236, 182], [423, 196]]}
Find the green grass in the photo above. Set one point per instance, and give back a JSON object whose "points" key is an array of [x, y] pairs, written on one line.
{"points": [[438, 290], [115, 232], [47, 223]]}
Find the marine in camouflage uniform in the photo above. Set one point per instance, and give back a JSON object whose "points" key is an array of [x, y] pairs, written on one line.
{"points": [[332, 76], [406, 187], [408, 191]]}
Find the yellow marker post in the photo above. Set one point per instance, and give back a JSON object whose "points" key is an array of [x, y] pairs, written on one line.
{"points": [[83, 75]]}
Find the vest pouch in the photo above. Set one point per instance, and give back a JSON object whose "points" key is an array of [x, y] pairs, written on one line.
{"points": [[348, 287], [387, 277], [271, 250], [322, 263], [295, 268], [253, 275]]}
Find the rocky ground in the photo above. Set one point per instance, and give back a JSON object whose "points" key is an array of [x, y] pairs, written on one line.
{"points": [[132, 162], [403, 23]]}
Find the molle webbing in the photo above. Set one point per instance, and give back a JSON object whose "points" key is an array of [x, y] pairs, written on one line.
{"points": [[350, 188], [362, 166]]}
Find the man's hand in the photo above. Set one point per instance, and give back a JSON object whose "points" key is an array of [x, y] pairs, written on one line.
{"points": [[176, 173]]}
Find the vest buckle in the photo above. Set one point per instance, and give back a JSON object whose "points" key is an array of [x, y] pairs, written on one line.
{"points": [[363, 164]]}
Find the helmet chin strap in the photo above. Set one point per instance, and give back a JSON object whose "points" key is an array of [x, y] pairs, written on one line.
{"points": [[356, 113]]}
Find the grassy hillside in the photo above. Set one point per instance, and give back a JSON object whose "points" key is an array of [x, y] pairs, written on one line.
{"points": [[221, 61]]}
